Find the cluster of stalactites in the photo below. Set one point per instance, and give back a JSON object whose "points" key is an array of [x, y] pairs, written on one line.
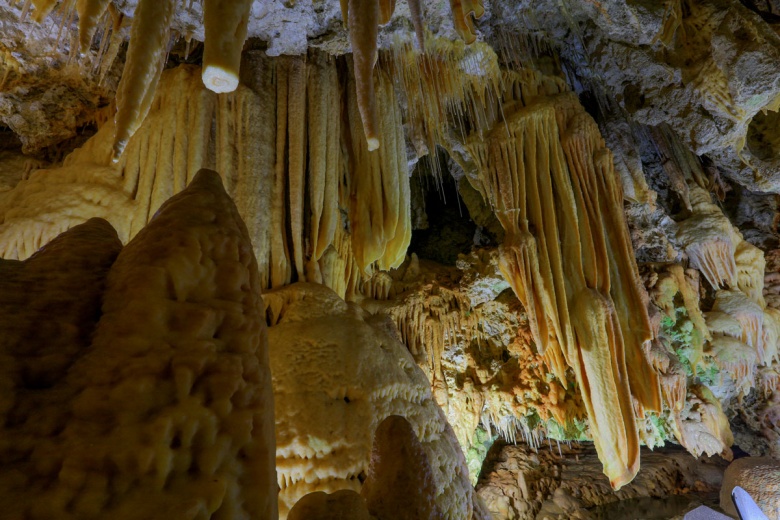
{"points": [[733, 267], [672, 284], [709, 239], [568, 257], [319, 207], [742, 331], [225, 24], [363, 18]]}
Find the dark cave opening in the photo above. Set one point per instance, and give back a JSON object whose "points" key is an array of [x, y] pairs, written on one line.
{"points": [[443, 227]]}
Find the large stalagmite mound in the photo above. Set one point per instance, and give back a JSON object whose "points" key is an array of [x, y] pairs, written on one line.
{"points": [[338, 372], [155, 398]]}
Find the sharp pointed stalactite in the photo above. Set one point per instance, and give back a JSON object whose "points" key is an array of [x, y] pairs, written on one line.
{"points": [[146, 56]]}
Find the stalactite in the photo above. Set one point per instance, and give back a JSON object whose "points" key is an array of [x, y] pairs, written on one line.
{"points": [[709, 240], [702, 427], [363, 18], [768, 381], [749, 315], [770, 337], [463, 14], [416, 11], [380, 215], [225, 22], [90, 12], [280, 259], [620, 280], [296, 158], [386, 8], [42, 9], [750, 264], [110, 54], [145, 59], [736, 359], [324, 160]]}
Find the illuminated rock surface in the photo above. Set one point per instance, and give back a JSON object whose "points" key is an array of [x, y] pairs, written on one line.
{"points": [[158, 400], [548, 221]]}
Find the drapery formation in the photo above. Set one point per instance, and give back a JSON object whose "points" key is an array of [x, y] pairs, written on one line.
{"points": [[285, 147], [567, 255]]}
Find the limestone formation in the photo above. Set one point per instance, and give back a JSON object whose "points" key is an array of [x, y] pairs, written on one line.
{"points": [[362, 376], [145, 62], [760, 477], [601, 175], [157, 400]]}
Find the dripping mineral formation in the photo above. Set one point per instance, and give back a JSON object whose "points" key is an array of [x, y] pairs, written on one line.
{"points": [[299, 259]]}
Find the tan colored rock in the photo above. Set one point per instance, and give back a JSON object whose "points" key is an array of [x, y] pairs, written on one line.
{"points": [[338, 363], [166, 408], [344, 504], [569, 261], [287, 174], [702, 427], [760, 477], [400, 481]]}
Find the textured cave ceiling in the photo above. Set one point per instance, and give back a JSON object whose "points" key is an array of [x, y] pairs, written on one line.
{"points": [[500, 220]]}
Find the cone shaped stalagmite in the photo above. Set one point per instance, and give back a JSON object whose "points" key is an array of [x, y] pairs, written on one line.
{"points": [[159, 404], [568, 258], [400, 482]]}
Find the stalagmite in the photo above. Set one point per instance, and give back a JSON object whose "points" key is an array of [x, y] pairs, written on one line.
{"points": [[400, 482], [363, 30], [344, 504], [226, 27], [146, 56], [159, 402], [89, 12], [361, 375]]}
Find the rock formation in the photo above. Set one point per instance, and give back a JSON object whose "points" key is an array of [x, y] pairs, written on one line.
{"points": [[610, 275], [156, 399]]}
